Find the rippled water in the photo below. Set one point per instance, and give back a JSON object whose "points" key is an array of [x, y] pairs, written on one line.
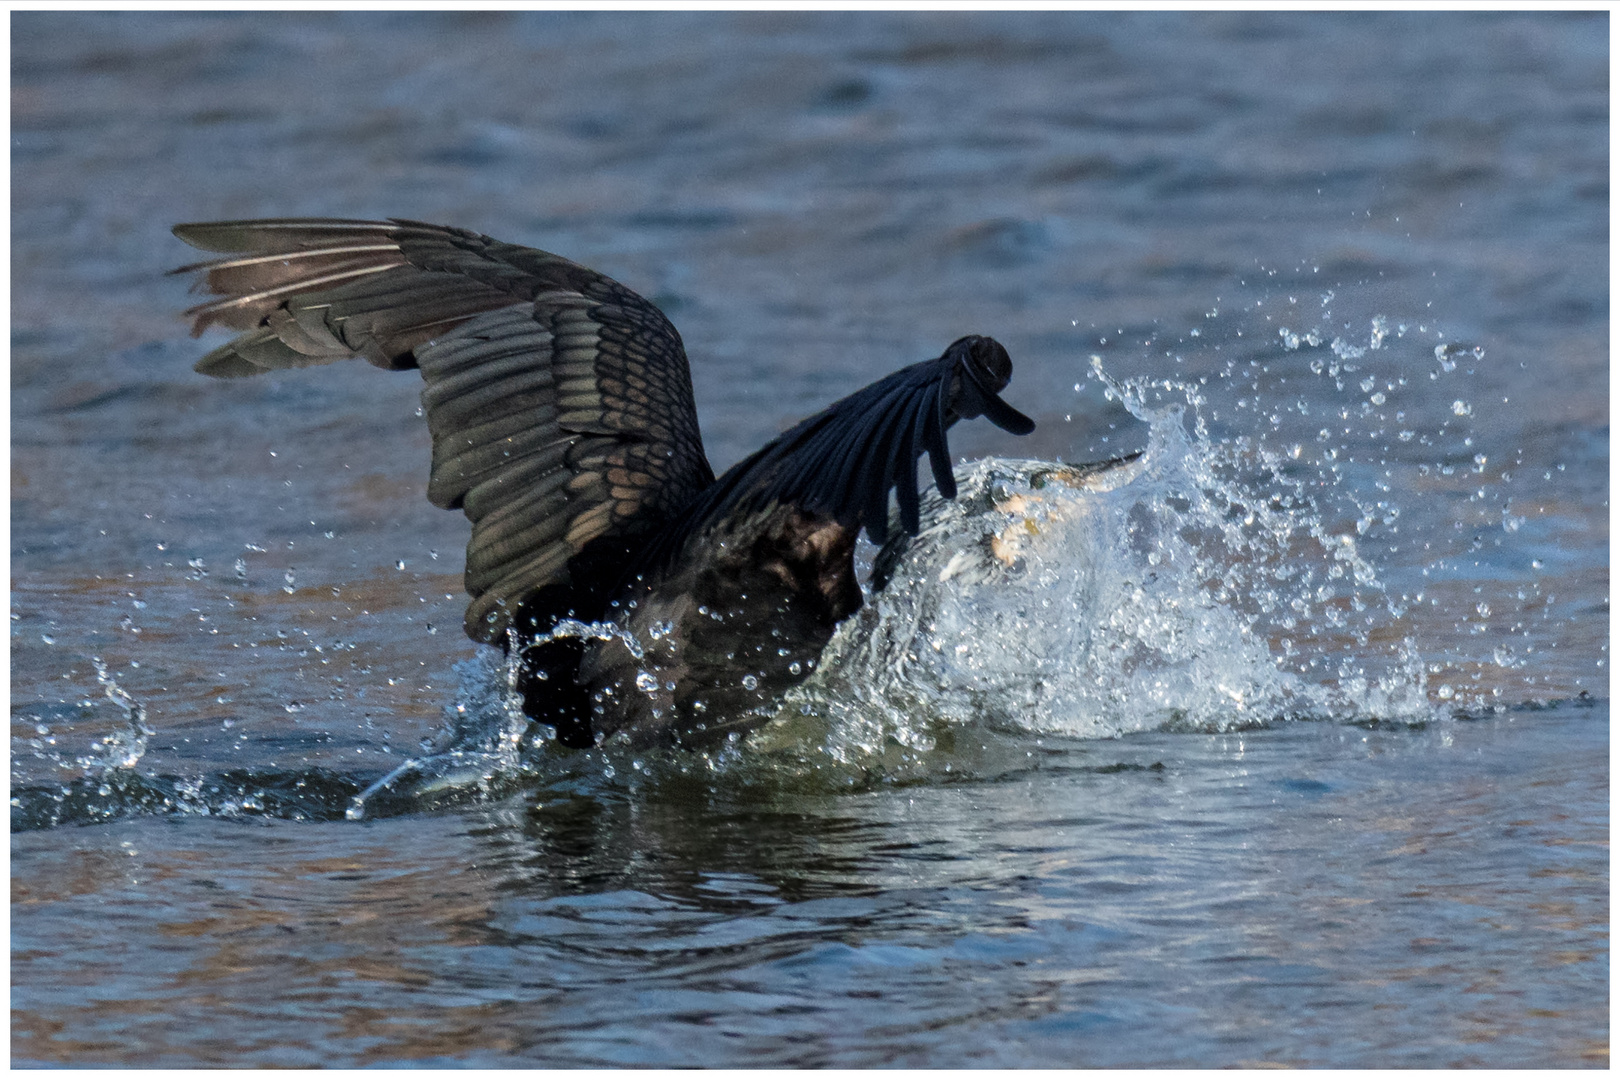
{"points": [[1285, 742]]}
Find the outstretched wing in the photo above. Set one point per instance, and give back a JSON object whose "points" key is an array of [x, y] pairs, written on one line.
{"points": [[843, 462], [559, 401]]}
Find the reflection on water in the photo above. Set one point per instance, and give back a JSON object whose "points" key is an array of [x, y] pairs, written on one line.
{"points": [[1326, 785], [1234, 889]]}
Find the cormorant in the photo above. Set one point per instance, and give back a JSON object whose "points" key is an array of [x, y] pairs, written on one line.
{"points": [[563, 426]]}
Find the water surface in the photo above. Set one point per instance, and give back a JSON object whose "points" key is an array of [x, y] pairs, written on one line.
{"points": [[1292, 751]]}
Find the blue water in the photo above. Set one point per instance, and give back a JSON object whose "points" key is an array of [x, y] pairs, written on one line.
{"points": [[1315, 894], [1292, 749]]}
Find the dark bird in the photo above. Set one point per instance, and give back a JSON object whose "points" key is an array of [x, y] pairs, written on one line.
{"points": [[563, 425]]}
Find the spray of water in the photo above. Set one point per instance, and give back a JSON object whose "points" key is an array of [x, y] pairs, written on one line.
{"points": [[1207, 583], [119, 749], [1203, 584], [489, 746], [1196, 586]]}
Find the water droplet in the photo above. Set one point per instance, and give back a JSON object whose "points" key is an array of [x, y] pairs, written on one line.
{"points": [[646, 682], [750, 682]]}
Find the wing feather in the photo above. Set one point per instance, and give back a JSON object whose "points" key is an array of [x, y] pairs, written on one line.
{"points": [[559, 401], [936, 417], [843, 462], [904, 469], [853, 436]]}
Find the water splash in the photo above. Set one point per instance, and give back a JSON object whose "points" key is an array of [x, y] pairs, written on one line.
{"points": [[490, 747], [119, 749], [109, 786], [1281, 553], [1203, 584], [1195, 586]]}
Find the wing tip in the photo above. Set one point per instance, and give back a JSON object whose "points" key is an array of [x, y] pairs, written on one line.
{"points": [[227, 363]]}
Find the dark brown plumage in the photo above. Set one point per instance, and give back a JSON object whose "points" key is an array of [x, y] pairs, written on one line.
{"points": [[563, 426]]}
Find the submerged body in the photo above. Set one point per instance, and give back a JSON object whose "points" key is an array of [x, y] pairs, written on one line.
{"points": [[563, 426]]}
